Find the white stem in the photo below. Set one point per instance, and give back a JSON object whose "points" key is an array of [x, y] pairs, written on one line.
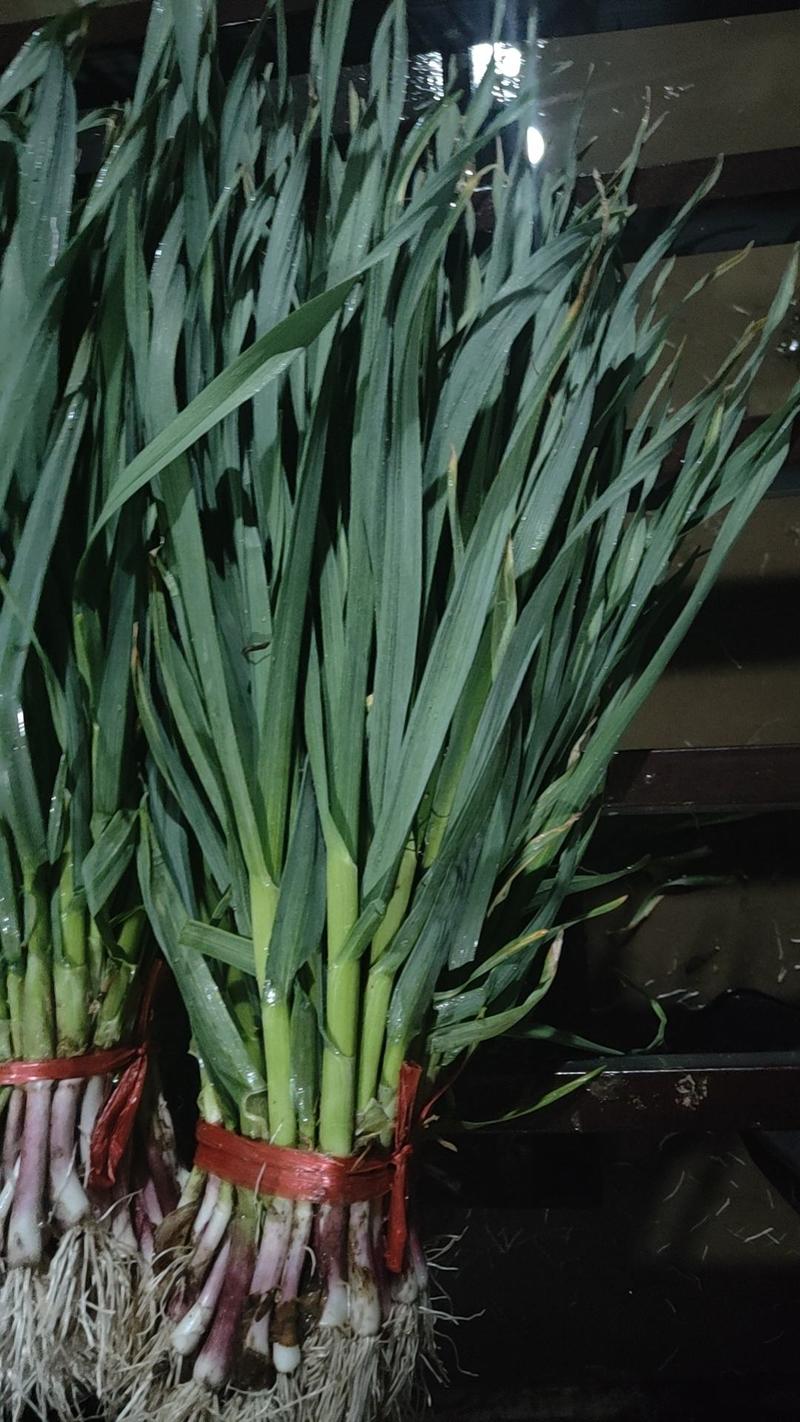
{"points": [[121, 1226], [331, 1232], [213, 1234], [165, 1135], [295, 1254], [257, 1340], [189, 1333], [418, 1261], [408, 1286], [405, 1289], [365, 1303], [153, 1210], [337, 1304], [93, 1095], [68, 1197], [209, 1200], [7, 1193], [287, 1356], [269, 1264], [215, 1359], [377, 1226], [11, 1142], [147, 1240], [274, 1243], [13, 1130], [193, 1189], [25, 1227]]}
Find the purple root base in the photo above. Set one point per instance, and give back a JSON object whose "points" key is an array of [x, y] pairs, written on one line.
{"points": [[341, 1376], [215, 1359], [71, 1259], [69, 1200], [94, 1093], [247, 1307], [253, 1369], [161, 1168], [26, 1225], [44, 1164], [15, 1112]]}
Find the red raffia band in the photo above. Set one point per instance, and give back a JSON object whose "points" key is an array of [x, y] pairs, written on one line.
{"points": [[293, 1174], [326, 1179], [114, 1123], [68, 1068]]}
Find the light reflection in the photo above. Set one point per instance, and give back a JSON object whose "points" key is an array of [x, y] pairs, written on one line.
{"points": [[506, 59], [535, 145], [426, 78]]}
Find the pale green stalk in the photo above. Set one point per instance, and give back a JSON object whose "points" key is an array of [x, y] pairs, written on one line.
{"points": [[337, 1102], [379, 986], [14, 986], [113, 1017], [38, 1035], [70, 972], [274, 1017], [6, 1042]]}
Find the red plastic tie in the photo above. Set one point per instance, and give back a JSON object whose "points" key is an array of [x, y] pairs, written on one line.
{"points": [[328, 1179], [114, 1124], [293, 1174], [397, 1219]]}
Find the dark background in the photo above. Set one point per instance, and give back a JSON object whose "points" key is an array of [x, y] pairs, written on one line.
{"points": [[638, 1274]]}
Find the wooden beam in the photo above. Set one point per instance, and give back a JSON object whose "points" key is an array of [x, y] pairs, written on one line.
{"points": [[704, 779], [433, 24], [119, 26], [443, 25], [583, 17], [776, 170], [669, 185], [470, 18], [713, 1092]]}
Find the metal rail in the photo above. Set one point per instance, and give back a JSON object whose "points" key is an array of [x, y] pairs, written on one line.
{"points": [[466, 22], [711, 1092], [452, 26], [704, 779]]}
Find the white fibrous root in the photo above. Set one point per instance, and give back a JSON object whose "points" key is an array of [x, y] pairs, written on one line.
{"points": [[280, 1309], [73, 1258]]}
